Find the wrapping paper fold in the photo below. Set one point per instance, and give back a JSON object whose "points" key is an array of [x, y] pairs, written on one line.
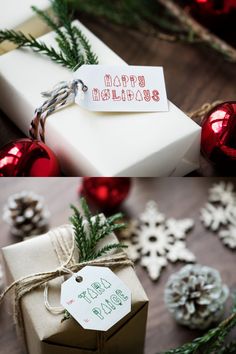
{"points": [[97, 144], [44, 332], [21, 17]]}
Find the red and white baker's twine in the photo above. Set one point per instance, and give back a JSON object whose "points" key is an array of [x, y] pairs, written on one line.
{"points": [[61, 96]]}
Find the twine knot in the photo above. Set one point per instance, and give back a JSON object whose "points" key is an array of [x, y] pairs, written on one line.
{"points": [[62, 95]]}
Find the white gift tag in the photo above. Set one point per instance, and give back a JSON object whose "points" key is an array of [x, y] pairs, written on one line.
{"points": [[96, 298], [123, 88]]}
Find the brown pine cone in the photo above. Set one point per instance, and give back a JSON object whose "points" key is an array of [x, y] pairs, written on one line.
{"points": [[26, 214]]}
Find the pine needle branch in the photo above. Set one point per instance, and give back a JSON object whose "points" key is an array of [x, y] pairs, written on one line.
{"points": [[61, 11], [74, 48], [90, 230], [149, 18], [108, 248], [61, 37], [80, 234], [48, 20], [37, 46], [91, 58]]}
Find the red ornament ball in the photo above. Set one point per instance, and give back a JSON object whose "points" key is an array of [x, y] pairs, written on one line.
{"points": [[28, 158], [107, 193], [215, 7], [218, 142]]}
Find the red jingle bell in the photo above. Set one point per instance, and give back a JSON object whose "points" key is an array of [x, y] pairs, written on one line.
{"points": [[107, 193], [28, 158], [218, 142]]}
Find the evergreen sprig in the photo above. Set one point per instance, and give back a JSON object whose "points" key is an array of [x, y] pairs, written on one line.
{"points": [[37, 46], [213, 341], [74, 48], [90, 230], [146, 16]]}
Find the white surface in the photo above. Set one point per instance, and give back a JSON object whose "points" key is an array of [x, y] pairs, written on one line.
{"points": [[13, 13], [136, 88], [98, 144], [96, 309]]}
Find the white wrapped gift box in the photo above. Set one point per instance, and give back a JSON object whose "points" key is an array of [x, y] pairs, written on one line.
{"points": [[18, 15], [97, 144]]}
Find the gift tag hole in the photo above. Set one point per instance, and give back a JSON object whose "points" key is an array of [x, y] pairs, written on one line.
{"points": [[79, 279], [152, 239]]}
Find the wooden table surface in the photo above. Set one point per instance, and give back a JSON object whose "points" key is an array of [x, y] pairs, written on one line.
{"points": [[194, 75], [179, 198]]}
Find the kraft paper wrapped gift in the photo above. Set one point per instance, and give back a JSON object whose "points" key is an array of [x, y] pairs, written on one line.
{"points": [[44, 332], [97, 144], [18, 15]]}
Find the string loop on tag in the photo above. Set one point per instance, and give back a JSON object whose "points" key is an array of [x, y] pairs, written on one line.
{"points": [[55, 310], [62, 95]]}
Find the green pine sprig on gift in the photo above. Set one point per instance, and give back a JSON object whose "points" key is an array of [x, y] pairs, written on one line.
{"points": [[21, 40], [213, 342], [89, 230], [74, 48]]}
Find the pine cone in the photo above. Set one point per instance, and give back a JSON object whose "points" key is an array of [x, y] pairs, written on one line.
{"points": [[196, 296], [26, 214]]}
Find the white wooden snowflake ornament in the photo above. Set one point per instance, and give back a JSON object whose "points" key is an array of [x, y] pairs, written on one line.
{"points": [[155, 240], [219, 214], [222, 192], [213, 217]]}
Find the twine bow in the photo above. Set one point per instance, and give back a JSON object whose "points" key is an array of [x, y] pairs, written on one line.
{"points": [[62, 95]]}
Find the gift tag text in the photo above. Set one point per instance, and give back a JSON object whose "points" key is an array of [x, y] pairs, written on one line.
{"points": [[96, 298], [122, 88]]}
